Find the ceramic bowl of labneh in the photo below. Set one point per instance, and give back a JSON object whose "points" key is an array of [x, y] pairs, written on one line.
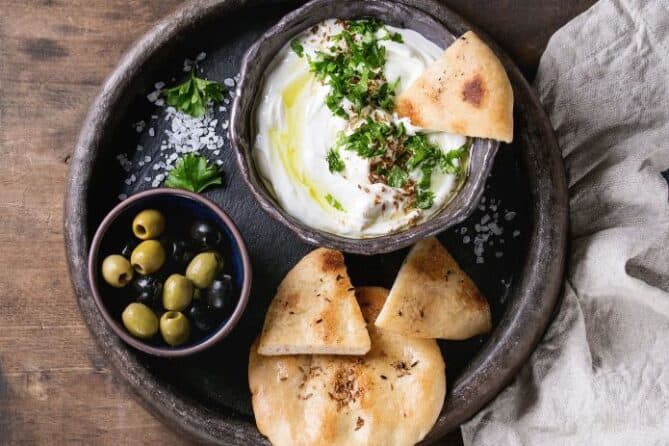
{"points": [[367, 126], [169, 271]]}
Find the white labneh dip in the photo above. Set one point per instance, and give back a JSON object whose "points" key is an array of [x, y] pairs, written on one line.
{"points": [[295, 130]]}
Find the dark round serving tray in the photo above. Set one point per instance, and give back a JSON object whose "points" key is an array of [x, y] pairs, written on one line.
{"points": [[207, 395]]}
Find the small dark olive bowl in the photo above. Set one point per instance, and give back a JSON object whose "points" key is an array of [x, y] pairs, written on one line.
{"points": [[256, 62], [117, 225]]}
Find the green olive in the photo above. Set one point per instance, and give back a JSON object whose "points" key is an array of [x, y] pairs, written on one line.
{"points": [[177, 292], [116, 271], [174, 327], [148, 224], [203, 268], [140, 320], [148, 257]]}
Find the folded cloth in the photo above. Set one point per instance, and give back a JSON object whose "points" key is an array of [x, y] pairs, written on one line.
{"points": [[600, 376]]}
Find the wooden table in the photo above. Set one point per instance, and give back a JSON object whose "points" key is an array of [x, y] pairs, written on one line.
{"points": [[55, 387]]}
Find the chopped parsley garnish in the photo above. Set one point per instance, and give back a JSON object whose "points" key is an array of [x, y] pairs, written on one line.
{"points": [[397, 177], [193, 95], [332, 201], [447, 161], [193, 173], [372, 138], [395, 154], [297, 47], [335, 163], [353, 68], [424, 199]]}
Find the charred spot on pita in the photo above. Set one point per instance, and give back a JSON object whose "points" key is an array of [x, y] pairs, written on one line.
{"points": [[332, 260], [473, 91]]}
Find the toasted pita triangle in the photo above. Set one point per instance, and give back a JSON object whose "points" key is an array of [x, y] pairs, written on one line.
{"points": [[466, 91], [433, 298], [315, 311]]}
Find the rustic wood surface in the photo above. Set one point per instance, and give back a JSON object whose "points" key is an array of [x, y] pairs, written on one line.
{"points": [[55, 387]]}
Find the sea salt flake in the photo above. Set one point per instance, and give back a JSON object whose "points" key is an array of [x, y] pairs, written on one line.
{"points": [[229, 82], [510, 215], [153, 96], [495, 228], [516, 233]]}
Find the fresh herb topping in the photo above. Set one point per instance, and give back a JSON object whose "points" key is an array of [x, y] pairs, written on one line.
{"points": [[332, 201], [335, 163], [353, 68], [372, 138], [297, 47], [395, 154], [193, 173], [192, 96], [397, 177]]}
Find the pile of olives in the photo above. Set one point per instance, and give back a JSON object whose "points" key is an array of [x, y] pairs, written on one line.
{"points": [[174, 281]]}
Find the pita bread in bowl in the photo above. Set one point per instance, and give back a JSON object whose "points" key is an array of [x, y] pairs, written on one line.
{"points": [[390, 396], [466, 91]]}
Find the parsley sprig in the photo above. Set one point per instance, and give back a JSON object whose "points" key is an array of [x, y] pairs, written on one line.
{"points": [[353, 67], [193, 95], [193, 173]]}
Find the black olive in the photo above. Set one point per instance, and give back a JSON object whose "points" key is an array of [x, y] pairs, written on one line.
{"points": [[219, 293], [202, 317], [206, 235], [148, 289], [129, 246], [179, 252]]}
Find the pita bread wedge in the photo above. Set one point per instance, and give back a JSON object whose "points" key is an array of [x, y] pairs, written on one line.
{"points": [[391, 396], [466, 91], [315, 311], [433, 298]]}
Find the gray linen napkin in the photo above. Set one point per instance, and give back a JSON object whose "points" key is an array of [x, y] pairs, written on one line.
{"points": [[601, 374]]}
